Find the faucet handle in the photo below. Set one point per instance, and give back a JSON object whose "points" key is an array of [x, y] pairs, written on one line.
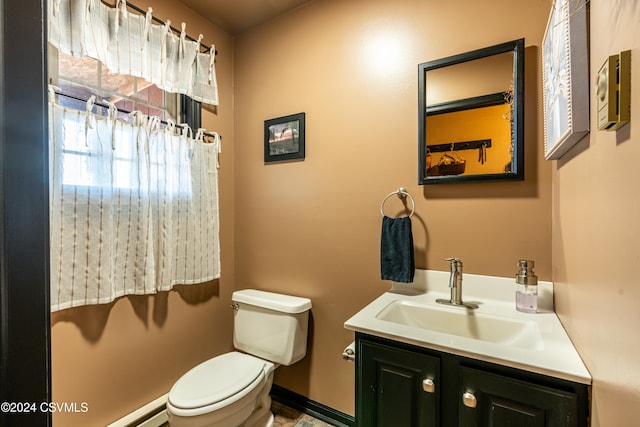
{"points": [[456, 270], [455, 262]]}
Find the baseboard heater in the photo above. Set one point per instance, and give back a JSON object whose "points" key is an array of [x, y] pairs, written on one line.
{"points": [[153, 414]]}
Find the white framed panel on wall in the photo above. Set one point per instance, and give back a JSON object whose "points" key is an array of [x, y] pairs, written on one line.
{"points": [[565, 77]]}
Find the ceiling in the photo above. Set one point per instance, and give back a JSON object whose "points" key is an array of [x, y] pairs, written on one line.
{"points": [[235, 16]]}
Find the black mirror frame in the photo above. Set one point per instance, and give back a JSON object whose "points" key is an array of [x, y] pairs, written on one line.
{"points": [[517, 174]]}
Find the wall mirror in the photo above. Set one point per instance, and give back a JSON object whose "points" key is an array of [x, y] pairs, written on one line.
{"points": [[471, 116]]}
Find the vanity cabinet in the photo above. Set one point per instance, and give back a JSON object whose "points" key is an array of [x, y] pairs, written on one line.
{"points": [[495, 400], [400, 385]]}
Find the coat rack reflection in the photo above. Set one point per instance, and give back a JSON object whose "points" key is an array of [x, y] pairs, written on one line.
{"points": [[457, 146]]}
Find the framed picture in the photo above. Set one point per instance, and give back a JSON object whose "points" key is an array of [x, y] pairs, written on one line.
{"points": [[284, 138], [565, 77]]}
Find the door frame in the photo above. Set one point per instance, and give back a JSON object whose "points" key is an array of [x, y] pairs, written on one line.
{"points": [[25, 329]]}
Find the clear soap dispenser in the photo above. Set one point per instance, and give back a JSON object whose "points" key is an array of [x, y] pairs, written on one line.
{"points": [[527, 287]]}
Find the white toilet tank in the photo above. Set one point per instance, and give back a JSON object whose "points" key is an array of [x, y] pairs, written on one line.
{"points": [[271, 326]]}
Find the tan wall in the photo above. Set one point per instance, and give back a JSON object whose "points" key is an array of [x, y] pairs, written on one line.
{"points": [[312, 227], [119, 356], [595, 234]]}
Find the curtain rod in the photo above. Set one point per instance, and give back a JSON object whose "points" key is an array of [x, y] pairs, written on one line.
{"points": [[103, 105], [161, 22]]}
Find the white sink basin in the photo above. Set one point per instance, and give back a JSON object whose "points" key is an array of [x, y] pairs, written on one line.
{"points": [[465, 323], [495, 332]]}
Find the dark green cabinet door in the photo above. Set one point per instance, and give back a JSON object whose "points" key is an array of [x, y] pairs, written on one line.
{"points": [[490, 400], [396, 387]]}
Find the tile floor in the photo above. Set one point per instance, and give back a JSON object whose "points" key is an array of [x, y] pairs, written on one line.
{"points": [[287, 417]]}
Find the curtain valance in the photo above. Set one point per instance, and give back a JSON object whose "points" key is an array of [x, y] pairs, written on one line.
{"points": [[132, 44]]}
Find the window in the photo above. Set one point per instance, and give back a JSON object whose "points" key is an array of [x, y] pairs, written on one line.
{"points": [[79, 79], [83, 77], [133, 205]]}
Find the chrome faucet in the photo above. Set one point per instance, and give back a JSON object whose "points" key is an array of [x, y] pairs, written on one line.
{"points": [[455, 283]]}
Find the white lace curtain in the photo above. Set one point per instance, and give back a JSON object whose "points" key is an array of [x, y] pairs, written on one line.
{"points": [[134, 208], [129, 43]]}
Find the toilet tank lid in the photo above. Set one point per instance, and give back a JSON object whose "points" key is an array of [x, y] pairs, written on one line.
{"points": [[272, 301]]}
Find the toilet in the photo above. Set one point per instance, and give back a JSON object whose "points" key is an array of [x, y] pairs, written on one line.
{"points": [[233, 389]]}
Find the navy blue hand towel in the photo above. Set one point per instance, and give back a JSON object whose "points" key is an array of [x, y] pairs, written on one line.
{"points": [[396, 250]]}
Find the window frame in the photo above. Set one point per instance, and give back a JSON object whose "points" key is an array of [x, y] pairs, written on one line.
{"points": [[185, 109]]}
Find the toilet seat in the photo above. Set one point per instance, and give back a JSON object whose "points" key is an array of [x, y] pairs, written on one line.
{"points": [[221, 380]]}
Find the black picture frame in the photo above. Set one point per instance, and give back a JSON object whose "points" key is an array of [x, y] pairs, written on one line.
{"points": [[284, 138]]}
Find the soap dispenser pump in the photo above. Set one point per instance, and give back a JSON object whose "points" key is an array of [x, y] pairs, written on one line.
{"points": [[527, 287]]}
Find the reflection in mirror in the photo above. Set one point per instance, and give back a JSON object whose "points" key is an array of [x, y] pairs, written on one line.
{"points": [[470, 120]]}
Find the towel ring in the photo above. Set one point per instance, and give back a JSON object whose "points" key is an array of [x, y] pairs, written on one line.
{"points": [[401, 193]]}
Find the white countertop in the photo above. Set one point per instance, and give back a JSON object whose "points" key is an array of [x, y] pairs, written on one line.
{"points": [[556, 357]]}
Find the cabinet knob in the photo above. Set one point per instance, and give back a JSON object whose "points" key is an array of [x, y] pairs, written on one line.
{"points": [[428, 385], [469, 399]]}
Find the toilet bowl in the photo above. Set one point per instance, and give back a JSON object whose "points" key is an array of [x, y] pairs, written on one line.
{"points": [[224, 391], [233, 389]]}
